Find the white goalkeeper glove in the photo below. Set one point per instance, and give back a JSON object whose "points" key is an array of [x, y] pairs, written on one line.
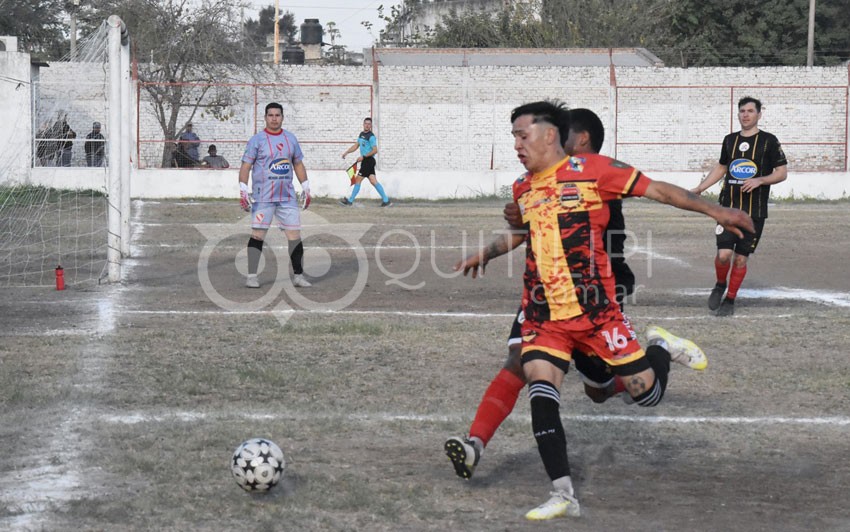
{"points": [[305, 194], [245, 200]]}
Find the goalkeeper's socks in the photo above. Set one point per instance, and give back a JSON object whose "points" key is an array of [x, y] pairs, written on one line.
{"points": [[354, 193], [383, 194], [255, 249]]}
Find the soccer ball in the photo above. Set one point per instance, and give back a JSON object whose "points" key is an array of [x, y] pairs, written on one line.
{"points": [[257, 464]]}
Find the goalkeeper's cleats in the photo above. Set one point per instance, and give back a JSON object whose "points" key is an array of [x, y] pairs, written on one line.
{"points": [[301, 282], [560, 504], [683, 351], [387, 203], [252, 281], [464, 456], [345, 203]]}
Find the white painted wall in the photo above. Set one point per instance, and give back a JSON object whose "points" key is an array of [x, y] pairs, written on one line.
{"points": [[444, 131], [16, 117]]}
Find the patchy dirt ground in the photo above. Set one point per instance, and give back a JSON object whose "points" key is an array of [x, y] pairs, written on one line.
{"points": [[123, 403]]}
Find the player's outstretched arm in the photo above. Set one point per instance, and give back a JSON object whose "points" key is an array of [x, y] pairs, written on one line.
{"points": [[734, 220], [504, 243], [350, 149]]}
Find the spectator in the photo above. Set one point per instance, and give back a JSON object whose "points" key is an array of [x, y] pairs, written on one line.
{"points": [[189, 141], [66, 137], [45, 151], [214, 161], [95, 146], [182, 159]]}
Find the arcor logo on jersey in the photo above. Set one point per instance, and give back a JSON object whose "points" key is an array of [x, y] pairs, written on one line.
{"points": [[743, 169], [570, 193], [280, 167]]}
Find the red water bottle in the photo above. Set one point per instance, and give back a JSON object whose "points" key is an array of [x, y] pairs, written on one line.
{"points": [[60, 278]]}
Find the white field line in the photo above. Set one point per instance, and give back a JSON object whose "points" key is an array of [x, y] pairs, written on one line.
{"points": [[452, 315], [190, 245], [782, 293], [638, 250], [378, 417]]}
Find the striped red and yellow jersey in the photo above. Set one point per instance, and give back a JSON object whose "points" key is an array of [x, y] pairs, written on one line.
{"points": [[567, 275]]}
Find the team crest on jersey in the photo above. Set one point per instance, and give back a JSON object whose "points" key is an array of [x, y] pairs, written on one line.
{"points": [[743, 169], [280, 168], [529, 336], [577, 163], [570, 194], [744, 146]]}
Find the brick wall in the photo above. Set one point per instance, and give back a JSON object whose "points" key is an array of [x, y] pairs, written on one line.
{"points": [[457, 118]]}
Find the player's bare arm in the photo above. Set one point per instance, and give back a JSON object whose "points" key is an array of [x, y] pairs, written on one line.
{"points": [[715, 175], [778, 175], [244, 172], [300, 171], [504, 243], [350, 149], [733, 220]]}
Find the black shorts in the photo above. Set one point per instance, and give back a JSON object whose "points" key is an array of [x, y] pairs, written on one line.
{"points": [[367, 167], [515, 337], [741, 246]]}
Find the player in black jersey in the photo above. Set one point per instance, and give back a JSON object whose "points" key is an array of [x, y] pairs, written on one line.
{"points": [[750, 161]]}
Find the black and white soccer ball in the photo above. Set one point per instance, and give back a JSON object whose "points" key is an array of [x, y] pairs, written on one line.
{"points": [[257, 464]]}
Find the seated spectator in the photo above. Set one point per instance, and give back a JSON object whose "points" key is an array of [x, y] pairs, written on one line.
{"points": [[214, 161]]}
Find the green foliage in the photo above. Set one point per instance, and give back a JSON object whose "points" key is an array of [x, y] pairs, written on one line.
{"points": [[680, 32], [38, 25], [258, 30]]}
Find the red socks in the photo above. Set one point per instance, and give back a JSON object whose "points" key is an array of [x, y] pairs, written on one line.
{"points": [[496, 405], [735, 281], [721, 269]]}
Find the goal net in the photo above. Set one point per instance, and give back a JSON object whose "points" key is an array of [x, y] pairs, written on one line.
{"points": [[55, 212]]}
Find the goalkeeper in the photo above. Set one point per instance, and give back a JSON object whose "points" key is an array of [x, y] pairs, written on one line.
{"points": [[272, 156]]}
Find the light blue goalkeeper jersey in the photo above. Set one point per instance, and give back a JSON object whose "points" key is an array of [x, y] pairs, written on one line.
{"points": [[273, 156]]}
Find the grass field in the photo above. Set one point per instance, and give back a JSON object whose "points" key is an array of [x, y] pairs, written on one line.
{"points": [[122, 404]]}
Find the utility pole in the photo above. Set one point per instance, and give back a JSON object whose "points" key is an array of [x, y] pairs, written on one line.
{"points": [[277, 31], [810, 55], [75, 5]]}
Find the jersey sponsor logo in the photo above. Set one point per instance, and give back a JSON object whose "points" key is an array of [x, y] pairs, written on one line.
{"points": [[577, 164], [570, 193], [280, 168], [743, 169]]}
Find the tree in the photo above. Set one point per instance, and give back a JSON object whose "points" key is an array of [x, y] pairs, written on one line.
{"points": [[259, 30], [37, 24], [336, 52], [183, 47]]}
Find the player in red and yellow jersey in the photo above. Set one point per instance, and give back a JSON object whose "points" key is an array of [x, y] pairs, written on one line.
{"points": [[568, 294]]}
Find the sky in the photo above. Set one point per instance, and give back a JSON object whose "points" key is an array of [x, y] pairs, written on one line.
{"points": [[347, 14]]}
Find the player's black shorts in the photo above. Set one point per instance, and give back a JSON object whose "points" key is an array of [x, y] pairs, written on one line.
{"points": [[367, 167], [741, 246]]}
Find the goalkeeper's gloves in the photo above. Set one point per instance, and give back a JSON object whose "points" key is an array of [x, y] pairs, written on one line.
{"points": [[305, 194], [245, 200]]}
